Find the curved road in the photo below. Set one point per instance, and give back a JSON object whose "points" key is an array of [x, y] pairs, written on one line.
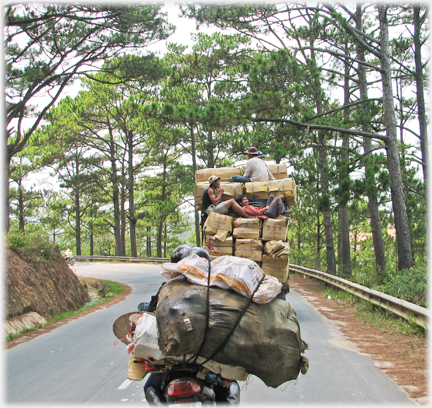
{"points": [[79, 363]]}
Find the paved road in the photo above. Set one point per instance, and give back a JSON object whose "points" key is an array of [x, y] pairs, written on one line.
{"points": [[78, 362]]}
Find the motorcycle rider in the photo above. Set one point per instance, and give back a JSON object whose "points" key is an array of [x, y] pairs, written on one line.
{"points": [[152, 387]]}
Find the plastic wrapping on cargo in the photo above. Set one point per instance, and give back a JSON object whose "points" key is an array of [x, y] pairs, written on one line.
{"points": [[227, 272], [146, 338], [284, 188], [266, 342]]}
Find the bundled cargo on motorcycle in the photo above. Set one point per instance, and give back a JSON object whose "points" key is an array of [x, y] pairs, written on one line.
{"points": [[285, 188], [231, 190], [216, 247], [248, 326]]}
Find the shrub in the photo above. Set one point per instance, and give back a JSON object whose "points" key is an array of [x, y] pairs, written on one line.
{"points": [[17, 239], [409, 284]]}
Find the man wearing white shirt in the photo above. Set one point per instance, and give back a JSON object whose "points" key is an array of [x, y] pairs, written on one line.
{"points": [[256, 169]]}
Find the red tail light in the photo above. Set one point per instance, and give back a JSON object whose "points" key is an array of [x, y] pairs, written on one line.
{"points": [[183, 389]]}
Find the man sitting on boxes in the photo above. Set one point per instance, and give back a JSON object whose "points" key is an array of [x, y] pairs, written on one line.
{"points": [[212, 201], [256, 169]]}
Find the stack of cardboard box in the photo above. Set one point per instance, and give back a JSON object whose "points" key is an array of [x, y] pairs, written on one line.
{"points": [[261, 241], [250, 238]]}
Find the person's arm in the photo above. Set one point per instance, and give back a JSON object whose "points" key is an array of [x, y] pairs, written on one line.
{"points": [[215, 199]]}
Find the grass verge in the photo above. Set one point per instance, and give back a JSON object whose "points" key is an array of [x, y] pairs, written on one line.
{"points": [[374, 315]]}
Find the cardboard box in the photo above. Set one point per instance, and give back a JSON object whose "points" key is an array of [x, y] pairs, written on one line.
{"points": [[218, 225], [216, 247], [252, 223], [279, 171], [274, 230], [276, 266], [231, 190], [249, 248], [285, 188], [222, 172], [247, 233]]}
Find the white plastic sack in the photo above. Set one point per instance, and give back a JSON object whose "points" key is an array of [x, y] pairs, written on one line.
{"points": [[146, 338], [269, 289], [227, 272]]}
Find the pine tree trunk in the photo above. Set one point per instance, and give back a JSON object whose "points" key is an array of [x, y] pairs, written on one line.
{"points": [[420, 94], [398, 199], [131, 191], [194, 168], [344, 188], [375, 218], [322, 170]]}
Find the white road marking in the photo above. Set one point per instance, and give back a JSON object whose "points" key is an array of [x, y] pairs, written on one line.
{"points": [[124, 384]]}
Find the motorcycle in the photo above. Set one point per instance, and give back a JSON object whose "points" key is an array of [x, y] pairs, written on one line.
{"points": [[181, 386], [70, 260], [185, 383]]}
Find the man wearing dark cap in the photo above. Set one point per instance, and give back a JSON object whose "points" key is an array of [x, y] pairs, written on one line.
{"points": [[256, 169], [212, 197]]}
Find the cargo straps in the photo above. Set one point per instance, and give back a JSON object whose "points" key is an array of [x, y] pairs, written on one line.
{"points": [[207, 316], [224, 343]]}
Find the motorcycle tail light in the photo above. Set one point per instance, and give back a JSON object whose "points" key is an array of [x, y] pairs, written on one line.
{"points": [[183, 388], [147, 365]]}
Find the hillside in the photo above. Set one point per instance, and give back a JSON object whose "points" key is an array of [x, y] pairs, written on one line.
{"points": [[40, 282]]}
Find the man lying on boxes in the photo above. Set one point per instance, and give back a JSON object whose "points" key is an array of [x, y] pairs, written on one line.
{"points": [[275, 208], [211, 200], [256, 169]]}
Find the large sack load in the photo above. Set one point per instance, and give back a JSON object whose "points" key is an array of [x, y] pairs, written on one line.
{"points": [[139, 331], [266, 342], [285, 188], [228, 272]]}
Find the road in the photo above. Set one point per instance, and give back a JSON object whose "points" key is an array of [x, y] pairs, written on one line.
{"points": [[79, 363]]}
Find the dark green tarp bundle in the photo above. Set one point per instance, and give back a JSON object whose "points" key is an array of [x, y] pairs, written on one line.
{"points": [[266, 342]]}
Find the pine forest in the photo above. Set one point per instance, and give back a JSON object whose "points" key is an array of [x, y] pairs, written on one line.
{"points": [[105, 127]]}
